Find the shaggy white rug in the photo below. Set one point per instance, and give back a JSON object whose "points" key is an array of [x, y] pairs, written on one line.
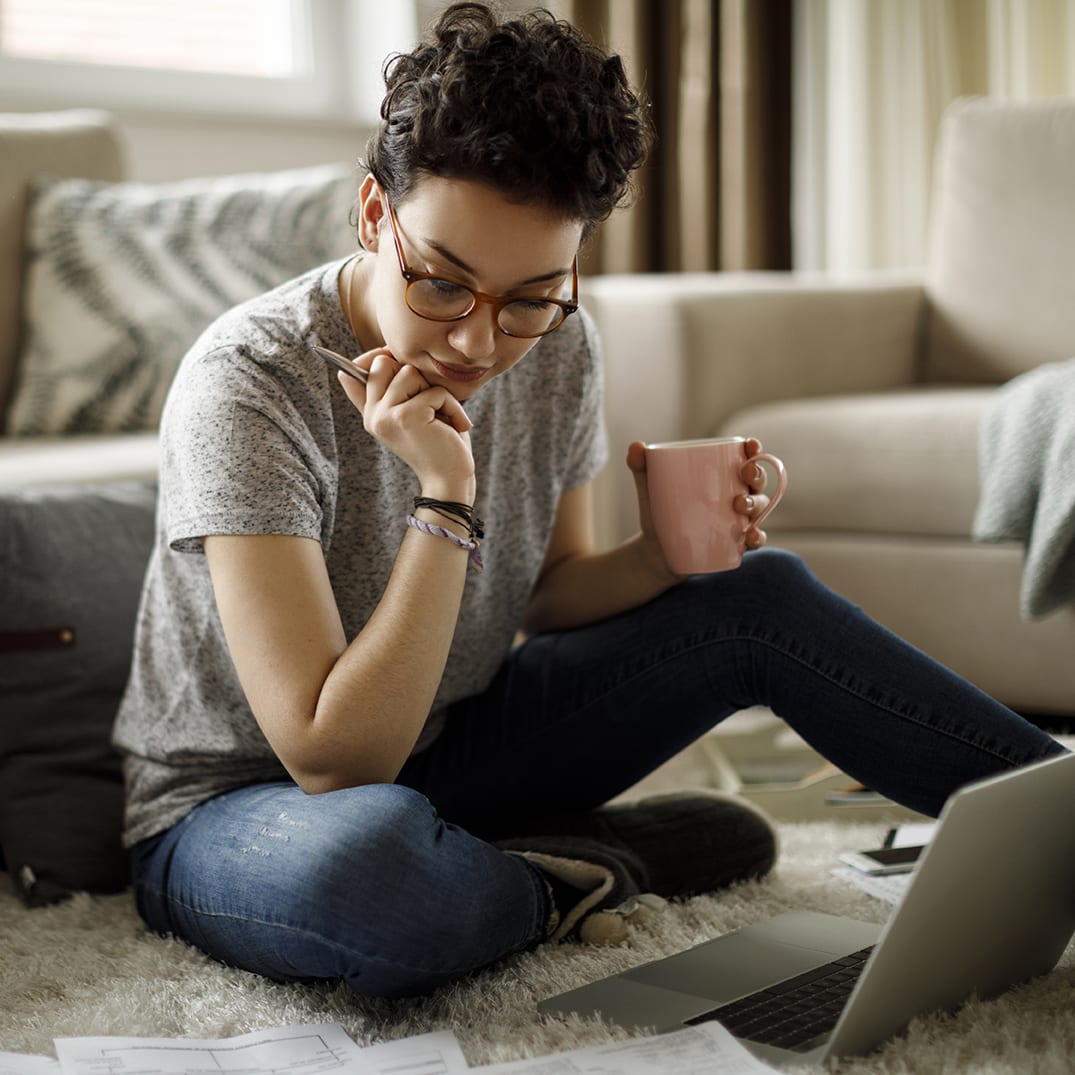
{"points": [[89, 967]]}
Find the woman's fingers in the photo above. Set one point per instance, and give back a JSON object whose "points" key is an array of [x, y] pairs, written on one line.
{"points": [[753, 474]]}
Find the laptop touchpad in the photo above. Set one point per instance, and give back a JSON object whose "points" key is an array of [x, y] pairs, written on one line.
{"points": [[730, 966]]}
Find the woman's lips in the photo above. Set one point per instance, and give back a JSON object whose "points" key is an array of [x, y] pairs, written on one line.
{"points": [[460, 374]]}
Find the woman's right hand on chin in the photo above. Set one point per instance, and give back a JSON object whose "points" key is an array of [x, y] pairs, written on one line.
{"points": [[422, 424]]}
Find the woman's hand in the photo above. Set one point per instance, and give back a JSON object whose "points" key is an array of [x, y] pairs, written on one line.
{"points": [[422, 424], [753, 475], [636, 463]]}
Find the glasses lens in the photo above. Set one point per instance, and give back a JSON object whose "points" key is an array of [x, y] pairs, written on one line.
{"points": [[530, 317], [441, 300]]}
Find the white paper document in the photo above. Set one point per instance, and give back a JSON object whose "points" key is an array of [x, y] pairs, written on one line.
{"points": [[888, 887], [912, 834], [27, 1064], [326, 1048], [703, 1050], [293, 1050], [437, 1053]]}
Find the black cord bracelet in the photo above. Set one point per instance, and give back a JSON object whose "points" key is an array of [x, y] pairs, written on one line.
{"points": [[455, 510]]}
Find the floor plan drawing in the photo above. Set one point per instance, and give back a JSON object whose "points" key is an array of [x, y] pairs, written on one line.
{"points": [[297, 1050]]}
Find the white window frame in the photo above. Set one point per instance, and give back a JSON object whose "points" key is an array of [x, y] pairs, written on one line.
{"points": [[348, 41]]}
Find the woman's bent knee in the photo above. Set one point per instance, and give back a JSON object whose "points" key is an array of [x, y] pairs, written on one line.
{"points": [[780, 565], [368, 885], [765, 575]]}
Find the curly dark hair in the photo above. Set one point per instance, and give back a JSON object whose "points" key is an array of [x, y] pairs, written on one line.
{"points": [[527, 105]]}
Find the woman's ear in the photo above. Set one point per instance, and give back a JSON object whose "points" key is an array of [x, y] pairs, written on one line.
{"points": [[370, 213]]}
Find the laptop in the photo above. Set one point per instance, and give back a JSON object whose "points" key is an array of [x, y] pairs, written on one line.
{"points": [[990, 904]]}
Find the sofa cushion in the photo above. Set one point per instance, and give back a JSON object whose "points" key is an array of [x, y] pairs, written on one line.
{"points": [[901, 462], [121, 278], [72, 561]]}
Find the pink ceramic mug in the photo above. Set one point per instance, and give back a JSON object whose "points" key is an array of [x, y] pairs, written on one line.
{"points": [[692, 488]]}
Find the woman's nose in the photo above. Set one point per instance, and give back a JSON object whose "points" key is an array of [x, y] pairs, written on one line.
{"points": [[475, 335]]}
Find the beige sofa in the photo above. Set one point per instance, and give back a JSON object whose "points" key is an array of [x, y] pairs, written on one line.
{"points": [[871, 390]]}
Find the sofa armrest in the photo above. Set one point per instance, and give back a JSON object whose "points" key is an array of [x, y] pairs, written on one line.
{"points": [[79, 142], [684, 352]]}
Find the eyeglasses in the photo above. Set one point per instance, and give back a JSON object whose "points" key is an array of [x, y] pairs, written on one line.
{"points": [[437, 298]]}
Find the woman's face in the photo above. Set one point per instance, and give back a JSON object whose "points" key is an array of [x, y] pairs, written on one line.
{"points": [[467, 232]]}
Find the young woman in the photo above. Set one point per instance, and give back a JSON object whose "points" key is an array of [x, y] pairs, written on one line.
{"points": [[339, 761]]}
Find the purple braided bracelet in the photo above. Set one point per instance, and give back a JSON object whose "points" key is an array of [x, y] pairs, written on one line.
{"points": [[473, 551]]}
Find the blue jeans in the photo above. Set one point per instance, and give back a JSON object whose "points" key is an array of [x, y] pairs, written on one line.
{"points": [[379, 887]]}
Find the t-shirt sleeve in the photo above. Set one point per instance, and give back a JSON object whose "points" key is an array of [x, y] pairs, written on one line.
{"points": [[237, 457]]}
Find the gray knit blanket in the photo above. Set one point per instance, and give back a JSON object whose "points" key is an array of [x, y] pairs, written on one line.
{"points": [[1027, 472]]}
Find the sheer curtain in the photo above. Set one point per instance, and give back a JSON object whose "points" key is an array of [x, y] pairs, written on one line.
{"points": [[871, 82], [716, 191]]}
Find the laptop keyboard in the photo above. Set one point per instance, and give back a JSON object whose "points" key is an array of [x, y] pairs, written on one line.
{"points": [[796, 1014]]}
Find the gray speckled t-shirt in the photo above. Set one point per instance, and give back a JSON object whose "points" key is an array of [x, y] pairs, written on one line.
{"points": [[257, 437]]}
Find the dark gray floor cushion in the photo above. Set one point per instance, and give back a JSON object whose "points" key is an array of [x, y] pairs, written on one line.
{"points": [[71, 568]]}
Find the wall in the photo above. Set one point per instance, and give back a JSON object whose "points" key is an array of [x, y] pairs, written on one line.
{"points": [[176, 145]]}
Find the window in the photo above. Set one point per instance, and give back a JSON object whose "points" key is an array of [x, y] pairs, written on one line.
{"points": [[223, 36], [281, 57]]}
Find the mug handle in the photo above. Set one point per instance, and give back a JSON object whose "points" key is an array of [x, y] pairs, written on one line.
{"points": [[781, 484]]}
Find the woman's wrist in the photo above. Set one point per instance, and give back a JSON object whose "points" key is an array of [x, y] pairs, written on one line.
{"points": [[652, 562], [454, 520], [462, 490]]}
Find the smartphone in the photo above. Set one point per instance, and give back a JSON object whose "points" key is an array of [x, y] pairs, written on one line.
{"points": [[883, 860]]}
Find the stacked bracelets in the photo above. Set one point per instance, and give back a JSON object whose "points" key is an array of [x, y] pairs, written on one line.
{"points": [[457, 512]]}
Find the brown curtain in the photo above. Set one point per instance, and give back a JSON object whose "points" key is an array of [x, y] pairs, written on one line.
{"points": [[716, 192]]}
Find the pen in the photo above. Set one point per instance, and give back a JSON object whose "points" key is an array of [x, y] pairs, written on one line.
{"points": [[342, 363]]}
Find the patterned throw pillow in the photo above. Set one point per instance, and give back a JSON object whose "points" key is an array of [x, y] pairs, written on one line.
{"points": [[121, 278]]}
